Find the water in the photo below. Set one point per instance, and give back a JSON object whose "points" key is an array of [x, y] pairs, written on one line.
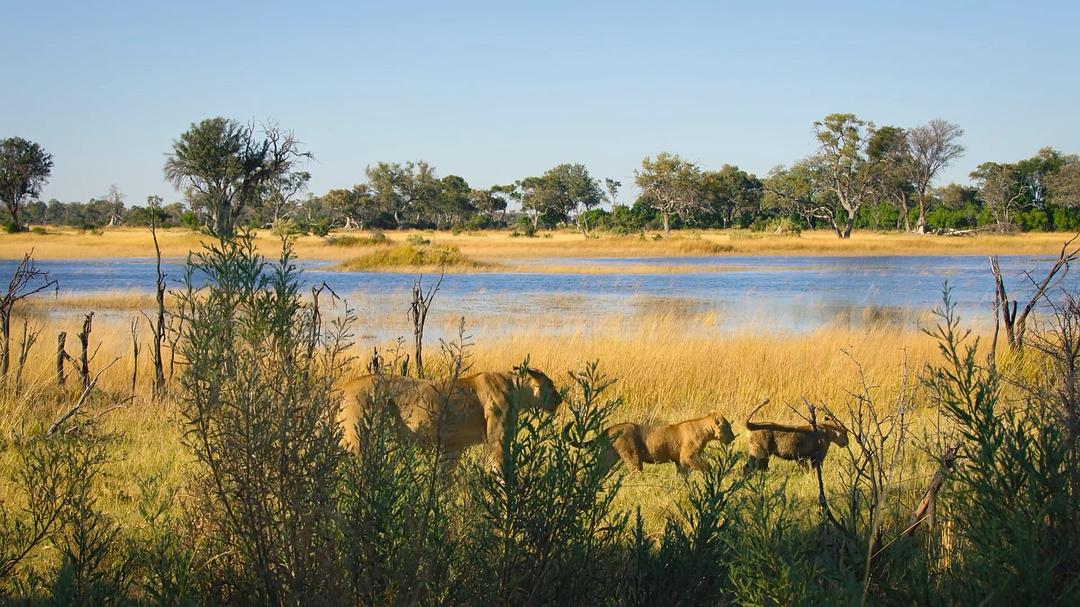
{"points": [[781, 293]]}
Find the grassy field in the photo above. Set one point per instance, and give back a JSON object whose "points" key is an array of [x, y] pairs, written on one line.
{"points": [[497, 250], [666, 371]]}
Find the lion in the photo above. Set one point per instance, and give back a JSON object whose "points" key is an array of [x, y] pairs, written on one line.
{"points": [[802, 444], [682, 443], [453, 414]]}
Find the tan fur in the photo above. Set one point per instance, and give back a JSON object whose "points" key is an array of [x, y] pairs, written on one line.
{"points": [[682, 443], [798, 443], [454, 415]]}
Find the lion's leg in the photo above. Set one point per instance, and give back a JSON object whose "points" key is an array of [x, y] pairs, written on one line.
{"points": [[449, 460], [757, 464]]}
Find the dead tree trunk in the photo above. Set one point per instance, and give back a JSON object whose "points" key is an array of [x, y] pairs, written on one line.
{"points": [[1016, 323], [29, 338], [926, 510], [84, 355], [418, 311], [61, 356], [20, 286], [134, 354], [159, 320]]}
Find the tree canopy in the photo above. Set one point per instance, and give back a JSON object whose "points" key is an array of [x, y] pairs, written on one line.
{"points": [[24, 168]]}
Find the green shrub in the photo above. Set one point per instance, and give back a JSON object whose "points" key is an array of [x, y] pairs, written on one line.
{"points": [[259, 407]]}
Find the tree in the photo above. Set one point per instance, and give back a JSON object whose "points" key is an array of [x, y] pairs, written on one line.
{"points": [[611, 187], [452, 202], [24, 168], [731, 194], [492, 201], [798, 190], [1065, 186], [400, 189], [845, 165], [1039, 171], [562, 194], [224, 166], [354, 208], [672, 186], [1002, 191], [114, 199], [890, 145], [280, 194], [933, 147]]}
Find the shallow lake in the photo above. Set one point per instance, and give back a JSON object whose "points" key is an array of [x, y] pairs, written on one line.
{"points": [[770, 293]]}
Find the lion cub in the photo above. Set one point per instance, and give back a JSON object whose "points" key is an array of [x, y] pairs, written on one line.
{"points": [[682, 443], [799, 443]]}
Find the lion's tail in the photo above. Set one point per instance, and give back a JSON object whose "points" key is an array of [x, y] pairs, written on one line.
{"points": [[751, 425], [574, 443]]}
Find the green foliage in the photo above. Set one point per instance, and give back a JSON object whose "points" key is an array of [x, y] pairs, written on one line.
{"points": [[285, 227], [258, 404], [224, 166], [25, 168], [1014, 499], [1034, 220]]}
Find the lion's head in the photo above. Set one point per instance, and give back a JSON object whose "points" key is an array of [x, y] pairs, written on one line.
{"points": [[834, 430], [722, 428], [540, 391]]}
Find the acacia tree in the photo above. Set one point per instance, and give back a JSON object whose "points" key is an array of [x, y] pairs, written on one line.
{"points": [[1064, 186], [492, 202], [611, 189], [401, 188], [24, 168], [845, 166], [280, 194], [933, 146], [731, 193], [562, 194], [225, 166], [890, 145], [798, 190], [1002, 191], [672, 186]]}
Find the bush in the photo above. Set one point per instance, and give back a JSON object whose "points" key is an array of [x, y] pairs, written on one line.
{"points": [[417, 240], [191, 220], [1066, 219], [1035, 220], [1014, 499], [285, 227], [260, 410]]}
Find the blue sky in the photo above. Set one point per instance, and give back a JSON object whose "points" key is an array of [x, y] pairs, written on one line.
{"points": [[495, 91]]}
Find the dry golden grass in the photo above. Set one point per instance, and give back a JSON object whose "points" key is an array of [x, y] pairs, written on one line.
{"points": [[499, 247], [667, 368]]}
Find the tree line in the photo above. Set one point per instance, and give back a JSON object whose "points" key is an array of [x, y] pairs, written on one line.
{"points": [[231, 174]]}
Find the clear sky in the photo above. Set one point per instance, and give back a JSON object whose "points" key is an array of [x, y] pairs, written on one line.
{"points": [[495, 91]]}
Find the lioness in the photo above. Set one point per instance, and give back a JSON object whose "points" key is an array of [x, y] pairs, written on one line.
{"points": [[452, 414], [681, 443], [801, 443]]}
